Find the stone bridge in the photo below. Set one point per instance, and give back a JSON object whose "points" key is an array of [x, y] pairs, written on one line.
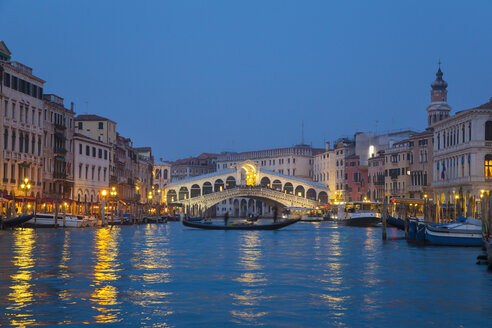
{"points": [[245, 179]]}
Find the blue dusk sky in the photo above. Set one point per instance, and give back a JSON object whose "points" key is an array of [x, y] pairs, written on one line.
{"points": [[186, 77]]}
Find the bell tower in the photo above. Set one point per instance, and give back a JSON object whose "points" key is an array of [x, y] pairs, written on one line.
{"points": [[438, 108]]}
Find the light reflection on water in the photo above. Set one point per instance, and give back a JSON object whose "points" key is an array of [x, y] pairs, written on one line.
{"points": [[106, 271], [307, 275]]}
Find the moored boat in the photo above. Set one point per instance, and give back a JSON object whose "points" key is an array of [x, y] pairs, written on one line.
{"points": [[17, 221], [462, 232], [47, 220], [358, 214], [239, 226]]}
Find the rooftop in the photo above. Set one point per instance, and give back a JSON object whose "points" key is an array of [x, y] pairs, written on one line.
{"points": [[92, 117]]}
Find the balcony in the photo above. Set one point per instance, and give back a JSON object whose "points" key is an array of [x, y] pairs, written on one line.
{"points": [[60, 151], [5, 180], [113, 179], [59, 175], [12, 181], [60, 126]]}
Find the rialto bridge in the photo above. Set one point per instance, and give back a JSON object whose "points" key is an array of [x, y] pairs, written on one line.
{"points": [[245, 179]]}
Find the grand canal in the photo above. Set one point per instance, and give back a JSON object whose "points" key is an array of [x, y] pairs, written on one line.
{"points": [[306, 275]]}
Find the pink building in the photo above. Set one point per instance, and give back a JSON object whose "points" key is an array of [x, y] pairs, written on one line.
{"points": [[355, 179], [375, 173]]}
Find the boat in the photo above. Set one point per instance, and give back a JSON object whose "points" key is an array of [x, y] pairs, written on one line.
{"points": [[395, 222], [359, 214], [17, 221], [305, 214], [46, 220], [239, 226], [462, 232], [154, 219]]}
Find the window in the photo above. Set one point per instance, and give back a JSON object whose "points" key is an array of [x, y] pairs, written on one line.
{"points": [[80, 127], [488, 130], [80, 149], [87, 150], [93, 151], [100, 153], [5, 139], [6, 80], [101, 125], [488, 166], [105, 154]]}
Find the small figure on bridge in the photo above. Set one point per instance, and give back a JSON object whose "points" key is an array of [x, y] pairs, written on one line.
{"points": [[226, 218]]}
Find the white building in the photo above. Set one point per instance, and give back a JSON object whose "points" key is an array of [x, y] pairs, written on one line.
{"points": [[162, 177], [91, 168], [463, 155], [21, 108], [324, 170]]}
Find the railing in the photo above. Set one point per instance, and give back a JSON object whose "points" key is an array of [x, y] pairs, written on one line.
{"points": [[59, 175], [61, 151], [60, 126]]}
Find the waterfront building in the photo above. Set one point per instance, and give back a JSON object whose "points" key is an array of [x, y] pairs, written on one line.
{"points": [[397, 170], [344, 148], [193, 166], [324, 170], [375, 177], [58, 157], [463, 156], [91, 168], [421, 173], [355, 179], [21, 108], [144, 174]]}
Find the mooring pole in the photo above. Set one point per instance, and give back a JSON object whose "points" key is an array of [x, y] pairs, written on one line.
{"points": [[385, 216]]}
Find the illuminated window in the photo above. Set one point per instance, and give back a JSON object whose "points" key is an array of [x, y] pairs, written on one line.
{"points": [[488, 165]]}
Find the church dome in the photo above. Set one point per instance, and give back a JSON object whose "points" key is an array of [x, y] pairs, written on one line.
{"points": [[439, 83]]}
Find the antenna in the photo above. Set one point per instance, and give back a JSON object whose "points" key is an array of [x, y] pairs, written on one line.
{"points": [[302, 133]]}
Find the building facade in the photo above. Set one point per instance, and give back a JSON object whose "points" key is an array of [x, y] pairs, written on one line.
{"points": [[463, 156], [193, 166], [375, 177], [58, 157], [21, 107], [91, 167]]}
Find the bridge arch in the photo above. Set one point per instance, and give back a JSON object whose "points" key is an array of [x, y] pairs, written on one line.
{"points": [[300, 191], [230, 182], [207, 188], [323, 197], [311, 194], [183, 193], [218, 185], [289, 188], [277, 185], [195, 191], [172, 196], [265, 182]]}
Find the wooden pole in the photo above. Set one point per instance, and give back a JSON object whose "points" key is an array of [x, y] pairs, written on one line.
{"points": [[385, 216], [1, 212], [56, 213], [64, 216], [405, 219], [103, 205]]}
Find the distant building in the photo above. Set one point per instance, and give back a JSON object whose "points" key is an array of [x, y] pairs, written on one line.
{"points": [[356, 179], [324, 170], [375, 177], [193, 166], [144, 174], [162, 177]]}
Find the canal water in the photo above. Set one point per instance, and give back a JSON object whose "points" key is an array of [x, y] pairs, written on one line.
{"points": [[306, 275]]}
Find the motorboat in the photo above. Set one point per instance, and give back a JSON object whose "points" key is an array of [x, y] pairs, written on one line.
{"points": [[462, 232], [47, 220], [17, 221], [358, 214]]}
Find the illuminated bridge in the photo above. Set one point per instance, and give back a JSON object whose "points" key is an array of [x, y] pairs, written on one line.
{"points": [[245, 179]]}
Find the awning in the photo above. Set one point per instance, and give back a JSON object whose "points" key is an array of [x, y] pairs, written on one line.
{"points": [[59, 158], [24, 165]]}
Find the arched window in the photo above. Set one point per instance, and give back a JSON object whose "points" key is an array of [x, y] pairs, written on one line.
{"points": [[488, 165], [165, 174], [488, 130]]}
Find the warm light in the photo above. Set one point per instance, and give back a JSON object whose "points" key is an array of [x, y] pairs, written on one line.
{"points": [[104, 192], [456, 196], [23, 186], [65, 204], [481, 196], [28, 186], [26, 180], [159, 191], [482, 191], [425, 195], [299, 194], [28, 205], [113, 188], [137, 187], [408, 172]]}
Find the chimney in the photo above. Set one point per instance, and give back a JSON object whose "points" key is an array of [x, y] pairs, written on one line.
{"points": [[71, 106], [327, 145]]}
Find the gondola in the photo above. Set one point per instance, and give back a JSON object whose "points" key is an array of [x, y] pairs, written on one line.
{"points": [[17, 221], [240, 226]]}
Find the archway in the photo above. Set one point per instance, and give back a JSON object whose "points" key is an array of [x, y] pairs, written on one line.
{"points": [[289, 188], [235, 207], [230, 182], [183, 193], [195, 191], [251, 206], [171, 196], [277, 185], [299, 191], [265, 182], [207, 188], [219, 185], [323, 197], [311, 194], [244, 207]]}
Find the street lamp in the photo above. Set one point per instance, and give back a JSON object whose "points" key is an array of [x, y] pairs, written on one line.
{"points": [[26, 186]]}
